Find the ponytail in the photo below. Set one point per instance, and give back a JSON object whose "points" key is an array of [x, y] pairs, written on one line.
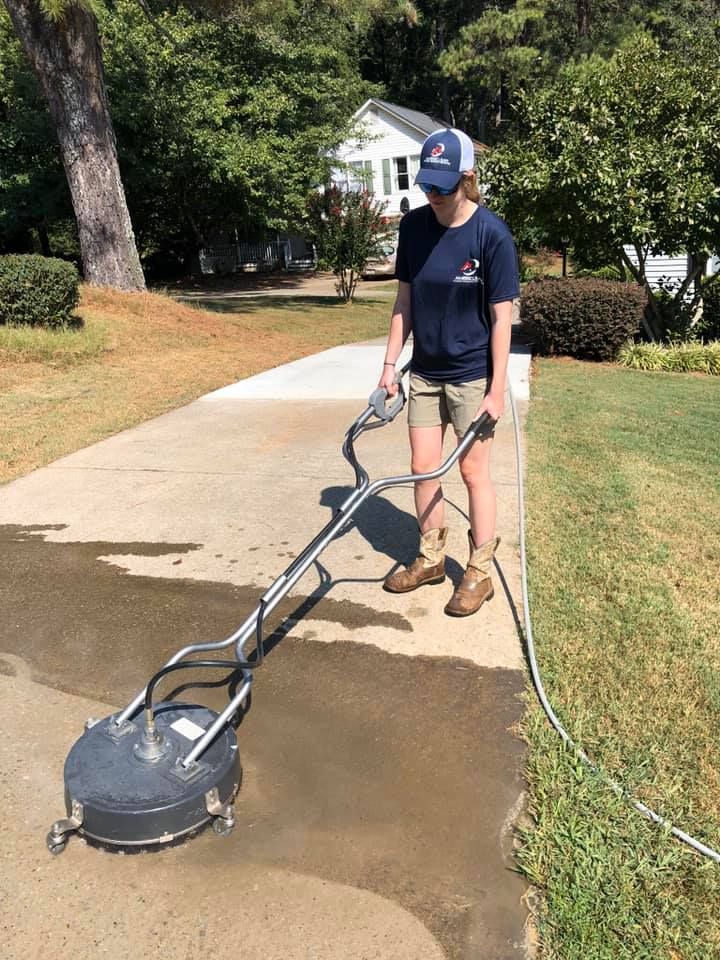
{"points": [[470, 186]]}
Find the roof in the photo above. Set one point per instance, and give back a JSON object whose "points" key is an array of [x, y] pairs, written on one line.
{"points": [[422, 122]]}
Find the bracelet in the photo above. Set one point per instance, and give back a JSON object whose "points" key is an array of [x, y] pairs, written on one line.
{"points": [[388, 364]]}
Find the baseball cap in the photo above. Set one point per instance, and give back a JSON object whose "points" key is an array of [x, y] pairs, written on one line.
{"points": [[444, 157]]}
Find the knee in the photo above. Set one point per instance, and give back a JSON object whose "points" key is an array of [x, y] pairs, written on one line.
{"points": [[423, 465], [475, 476]]}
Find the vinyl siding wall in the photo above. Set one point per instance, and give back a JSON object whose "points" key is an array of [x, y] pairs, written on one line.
{"points": [[673, 268], [383, 139], [662, 267]]}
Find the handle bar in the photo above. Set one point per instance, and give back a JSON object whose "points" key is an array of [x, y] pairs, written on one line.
{"points": [[300, 564], [378, 399]]}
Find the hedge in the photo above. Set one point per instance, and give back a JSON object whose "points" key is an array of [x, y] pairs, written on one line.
{"points": [[588, 319], [37, 291]]}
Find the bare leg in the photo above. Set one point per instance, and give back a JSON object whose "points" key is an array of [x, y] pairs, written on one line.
{"points": [[426, 450], [475, 471]]}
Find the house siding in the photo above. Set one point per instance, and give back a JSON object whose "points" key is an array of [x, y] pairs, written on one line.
{"points": [[384, 137], [662, 267]]}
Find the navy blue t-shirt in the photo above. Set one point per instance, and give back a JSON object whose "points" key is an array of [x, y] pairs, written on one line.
{"points": [[455, 273]]}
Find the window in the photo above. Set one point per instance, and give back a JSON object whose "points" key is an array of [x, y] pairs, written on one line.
{"points": [[399, 174], [402, 176]]}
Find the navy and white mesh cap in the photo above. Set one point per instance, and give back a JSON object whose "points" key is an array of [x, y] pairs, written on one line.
{"points": [[444, 157]]}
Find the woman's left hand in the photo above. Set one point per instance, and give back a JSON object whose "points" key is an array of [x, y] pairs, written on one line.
{"points": [[493, 405]]}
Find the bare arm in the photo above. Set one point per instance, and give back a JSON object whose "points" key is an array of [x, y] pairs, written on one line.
{"points": [[400, 326], [501, 329]]}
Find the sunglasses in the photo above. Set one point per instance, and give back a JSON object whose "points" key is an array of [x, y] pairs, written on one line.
{"points": [[441, 191]]}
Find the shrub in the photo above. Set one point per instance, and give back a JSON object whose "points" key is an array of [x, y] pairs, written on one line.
{"points": [[347, 228], [709, 325], [586, 319], [38, 291], [690, 356]]}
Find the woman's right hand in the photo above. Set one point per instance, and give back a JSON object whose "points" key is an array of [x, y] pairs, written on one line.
{"points": [[387, 380]]}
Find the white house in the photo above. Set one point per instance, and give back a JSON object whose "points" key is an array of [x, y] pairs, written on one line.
{"points": [[662, 270], [383, 154]]}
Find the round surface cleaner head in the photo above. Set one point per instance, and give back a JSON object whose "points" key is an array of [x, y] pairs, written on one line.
{"points": [[128, 789]]}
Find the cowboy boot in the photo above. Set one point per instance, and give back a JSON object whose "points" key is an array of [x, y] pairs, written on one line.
{"points": [[476, 585], [427, 567]]}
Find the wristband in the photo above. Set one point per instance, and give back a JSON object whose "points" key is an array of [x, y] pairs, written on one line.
{"points": [[388, 364]]}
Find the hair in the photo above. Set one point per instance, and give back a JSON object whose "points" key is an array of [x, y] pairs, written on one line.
{"points": [[470, 186]]}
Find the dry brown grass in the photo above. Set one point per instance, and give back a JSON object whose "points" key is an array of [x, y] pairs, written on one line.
{"points": [[149, 354]]}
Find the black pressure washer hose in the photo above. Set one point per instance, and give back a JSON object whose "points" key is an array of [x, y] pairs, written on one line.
{"points": [[701, 848]]}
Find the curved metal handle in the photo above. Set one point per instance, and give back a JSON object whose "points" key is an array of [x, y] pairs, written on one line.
{"points": [[378, 401], [378, 398]]}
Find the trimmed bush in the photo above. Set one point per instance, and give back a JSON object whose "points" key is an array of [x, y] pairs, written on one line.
{"points": [[585, 319], [689, 356], [37, 291]]}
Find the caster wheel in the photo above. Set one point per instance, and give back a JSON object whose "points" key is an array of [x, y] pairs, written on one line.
{"points": [[222, 827], [55, 845]]}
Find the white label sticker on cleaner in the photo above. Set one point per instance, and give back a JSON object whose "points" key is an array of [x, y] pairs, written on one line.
{"points": [[186, 728]]}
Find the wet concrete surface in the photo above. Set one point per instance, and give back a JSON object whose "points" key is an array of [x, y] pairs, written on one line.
{"points": [[249, 483], [204, 898], [387, 773]]}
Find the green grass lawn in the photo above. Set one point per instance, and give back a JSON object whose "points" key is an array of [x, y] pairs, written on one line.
{"points": [[624, 553]]}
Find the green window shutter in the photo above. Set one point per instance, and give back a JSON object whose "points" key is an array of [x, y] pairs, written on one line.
{"points": [[369, 181], [387, 179]]}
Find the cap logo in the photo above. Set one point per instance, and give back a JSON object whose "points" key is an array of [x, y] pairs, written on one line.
{"points": [[437, 150]]}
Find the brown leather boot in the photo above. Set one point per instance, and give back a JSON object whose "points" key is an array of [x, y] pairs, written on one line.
{"points": [[427, 567], [476, 585]]}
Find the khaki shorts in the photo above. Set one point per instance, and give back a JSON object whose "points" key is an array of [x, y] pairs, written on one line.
{"points": [[433, 403]]}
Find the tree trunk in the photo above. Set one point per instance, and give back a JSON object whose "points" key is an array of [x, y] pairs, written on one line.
{"points": [[582, 9], [44, 240], [651, 319], [444, 86], [66, 57]]}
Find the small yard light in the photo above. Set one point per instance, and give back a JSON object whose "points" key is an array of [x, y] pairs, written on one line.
{"points": [[564, 244]]}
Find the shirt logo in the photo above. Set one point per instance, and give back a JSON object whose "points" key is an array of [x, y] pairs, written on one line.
{"points": [[468, 272]]}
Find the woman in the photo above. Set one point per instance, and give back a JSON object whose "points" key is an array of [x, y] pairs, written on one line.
{"points": [[458, 276]]}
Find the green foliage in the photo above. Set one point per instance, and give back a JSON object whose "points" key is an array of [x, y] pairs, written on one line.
{"points": [[347, 228], [620, 152], [709, 325], [690, 356], [516, 45], [585, 319], [223, 120], [38, 291], [224, 125], [604, 273], [33, 190], [497, 45]]}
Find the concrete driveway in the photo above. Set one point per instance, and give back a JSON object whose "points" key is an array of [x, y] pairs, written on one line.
{"points": [[382, 777], [215, 293]]}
